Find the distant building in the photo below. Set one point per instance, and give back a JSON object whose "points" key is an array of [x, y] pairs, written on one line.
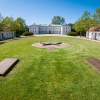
{"points": [[6, 35], [94, 33], [49, 29]]}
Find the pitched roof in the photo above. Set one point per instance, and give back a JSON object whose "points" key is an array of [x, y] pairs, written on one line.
{"points": [[95, 28]]}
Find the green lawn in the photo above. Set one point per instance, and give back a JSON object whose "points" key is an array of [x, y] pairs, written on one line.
{"points": [[41, 74]]}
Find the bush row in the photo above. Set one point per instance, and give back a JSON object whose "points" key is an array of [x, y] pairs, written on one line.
{"points": [[27, 33], [72, 33]]}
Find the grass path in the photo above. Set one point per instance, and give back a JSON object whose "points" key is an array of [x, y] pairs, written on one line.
{"points": [[41, 74]]}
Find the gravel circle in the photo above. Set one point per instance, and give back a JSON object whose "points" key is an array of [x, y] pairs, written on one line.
{"points": [[51, 47]]}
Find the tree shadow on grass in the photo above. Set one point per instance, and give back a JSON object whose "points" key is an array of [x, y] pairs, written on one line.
{"points": [[2, 42]]}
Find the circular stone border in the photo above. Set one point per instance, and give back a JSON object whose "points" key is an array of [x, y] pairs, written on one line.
{"points": [[51, 47]]}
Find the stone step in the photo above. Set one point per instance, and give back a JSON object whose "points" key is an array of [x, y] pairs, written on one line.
{"points": [[6, 65]]}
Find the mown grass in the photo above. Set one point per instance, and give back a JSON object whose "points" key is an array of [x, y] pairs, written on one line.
{"points": [[41, 74]]}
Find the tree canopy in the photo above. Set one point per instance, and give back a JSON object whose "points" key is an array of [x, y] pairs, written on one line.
{"points": [[8, 23], [1, 17], [96, 16], [87, 20], [58, 20]]}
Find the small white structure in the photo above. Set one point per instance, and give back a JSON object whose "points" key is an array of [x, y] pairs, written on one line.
{"points": [[6, 35], [49, 29], [94, 33]]}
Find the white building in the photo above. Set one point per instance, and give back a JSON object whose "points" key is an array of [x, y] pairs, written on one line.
{"points": [[49, 29], [94, 33], [6, 35]]}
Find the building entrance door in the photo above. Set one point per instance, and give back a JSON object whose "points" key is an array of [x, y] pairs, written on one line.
{"points": [[49, 32], [2, 36], [95, 37]]}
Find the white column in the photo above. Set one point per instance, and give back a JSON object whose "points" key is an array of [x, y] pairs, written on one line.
{"points": [[61, 30]]}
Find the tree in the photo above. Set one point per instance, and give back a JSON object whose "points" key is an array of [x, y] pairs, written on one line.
{"points": [[58, 20], [87, 21], [1, 18], [19, 25], [96, 17], [26, 29], [7, 23], [86, 15], [84, 23], [72, 28], [78, 26]]}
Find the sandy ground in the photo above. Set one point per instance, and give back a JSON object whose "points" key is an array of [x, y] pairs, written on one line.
{"points": [[51, 47]]}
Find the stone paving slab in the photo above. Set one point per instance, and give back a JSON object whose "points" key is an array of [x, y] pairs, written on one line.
{"points": [[94, 62], [6, 65]]}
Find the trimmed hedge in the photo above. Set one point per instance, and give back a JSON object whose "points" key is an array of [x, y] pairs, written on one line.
{"points": [[27, 33], [72, 33]]}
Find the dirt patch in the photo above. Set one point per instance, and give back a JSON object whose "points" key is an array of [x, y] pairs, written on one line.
{"points": [[94, 62], [51, 47]]}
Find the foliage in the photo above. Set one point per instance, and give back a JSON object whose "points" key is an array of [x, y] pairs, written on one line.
{"points": [[1, 18], [78, 26], [7, 23], [72, 29], [86, 15], [72, 33], [58, 20], [96, 16], [41, 74], [19, 25], [27, 33], [87, 21], [84, 23], [26, 28]]}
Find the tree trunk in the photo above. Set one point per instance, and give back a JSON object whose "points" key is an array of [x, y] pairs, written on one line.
{"points": [[80, 34], [88, 33]]}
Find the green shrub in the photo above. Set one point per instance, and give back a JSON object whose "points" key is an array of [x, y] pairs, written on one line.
{"points": [[72, 33], [27, 33]]}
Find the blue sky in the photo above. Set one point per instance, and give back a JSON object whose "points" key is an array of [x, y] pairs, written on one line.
{"points": [[42, 11]]}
